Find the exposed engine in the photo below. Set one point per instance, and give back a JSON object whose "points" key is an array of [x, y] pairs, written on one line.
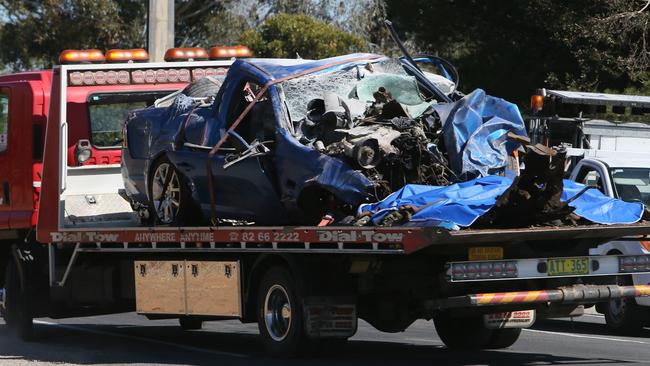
{"points": [[390, 147]]}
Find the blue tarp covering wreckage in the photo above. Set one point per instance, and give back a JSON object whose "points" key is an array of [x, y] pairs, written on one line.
{"points": [[461, 204], [474, 131]]}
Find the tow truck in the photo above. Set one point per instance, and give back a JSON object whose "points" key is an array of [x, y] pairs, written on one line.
{"points": [[71, 246]]}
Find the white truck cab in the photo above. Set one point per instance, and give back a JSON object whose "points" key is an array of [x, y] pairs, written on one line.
{"points": [[623, 175]]}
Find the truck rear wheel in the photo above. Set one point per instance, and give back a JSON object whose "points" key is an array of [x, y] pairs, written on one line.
{"points": [[470, 333], [17, 313], [280, 318], [188, 323], [624, 315]]}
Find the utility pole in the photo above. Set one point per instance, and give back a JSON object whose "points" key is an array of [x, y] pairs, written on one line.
{"points": [[160, 30]]}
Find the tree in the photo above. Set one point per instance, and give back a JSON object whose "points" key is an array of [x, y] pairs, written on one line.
{"points": [[35, 32], [512, 47], [286, 36]]}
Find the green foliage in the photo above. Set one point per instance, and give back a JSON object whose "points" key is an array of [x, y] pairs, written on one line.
{"points": [[512, 47], [35, 32], [286, 36]]}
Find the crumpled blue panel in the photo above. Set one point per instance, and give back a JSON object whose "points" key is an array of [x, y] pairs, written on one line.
{"points": [[597, 207], [474, 130], [461, 204]]}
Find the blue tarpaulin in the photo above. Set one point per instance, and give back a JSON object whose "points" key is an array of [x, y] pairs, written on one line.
{"points": [[459, 205], [474, 130]]}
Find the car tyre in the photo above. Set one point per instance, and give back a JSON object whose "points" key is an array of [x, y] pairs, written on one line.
{"points": [[169, 201], [280, 317], [18, 312]]}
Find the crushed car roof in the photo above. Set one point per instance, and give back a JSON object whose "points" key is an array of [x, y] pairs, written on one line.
{"points": [[280, 68]]}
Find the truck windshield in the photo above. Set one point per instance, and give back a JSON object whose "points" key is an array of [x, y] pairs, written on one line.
{"points": [[108, 111], [632, 184]]}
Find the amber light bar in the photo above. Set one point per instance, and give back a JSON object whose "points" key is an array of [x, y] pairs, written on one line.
{"points": [[226, 52], [81, 56], [137, 54]]}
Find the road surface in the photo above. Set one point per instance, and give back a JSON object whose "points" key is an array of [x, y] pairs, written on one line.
{"points": [[131, 339]]}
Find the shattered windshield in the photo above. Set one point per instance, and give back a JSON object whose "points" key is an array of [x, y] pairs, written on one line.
{"points": [[376, 118], [355, 87]]}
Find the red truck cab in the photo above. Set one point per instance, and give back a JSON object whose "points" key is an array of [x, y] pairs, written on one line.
{"points": [[97, 103], [24, 105]]}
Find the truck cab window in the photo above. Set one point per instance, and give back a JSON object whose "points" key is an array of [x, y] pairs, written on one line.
{"points": [[4, 121], [108, 111]]}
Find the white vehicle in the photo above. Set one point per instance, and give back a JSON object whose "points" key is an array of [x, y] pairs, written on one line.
{"points": [[624, 175]]}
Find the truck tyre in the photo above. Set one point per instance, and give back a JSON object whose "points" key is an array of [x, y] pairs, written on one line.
{"points": [[169, 205], [280, 318], [188, 323], [466, 333], [504, 338], [624, 316], [18, 309]]}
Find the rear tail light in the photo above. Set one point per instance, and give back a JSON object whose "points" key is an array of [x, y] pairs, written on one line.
{"points": [[634, 263], [198, 74], [484, 270]]}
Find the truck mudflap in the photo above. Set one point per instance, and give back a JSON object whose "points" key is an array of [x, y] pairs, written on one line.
{"points": [[578, 294]]}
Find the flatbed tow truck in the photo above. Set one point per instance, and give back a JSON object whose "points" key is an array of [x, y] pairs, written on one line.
{"points": [[84, 256]]}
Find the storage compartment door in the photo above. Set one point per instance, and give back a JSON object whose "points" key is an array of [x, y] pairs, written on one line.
{"points": [[160, 287], [213, 288]]}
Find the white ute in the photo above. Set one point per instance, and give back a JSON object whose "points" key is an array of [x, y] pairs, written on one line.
{"points": [[624, 175]]}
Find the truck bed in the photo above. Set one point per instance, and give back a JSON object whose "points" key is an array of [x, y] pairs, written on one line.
{"points": [[393, 240]]}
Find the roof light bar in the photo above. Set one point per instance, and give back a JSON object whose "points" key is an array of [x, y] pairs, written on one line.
{"points": [[81, 56], [136, 54], [186, 54], [226, 52]]}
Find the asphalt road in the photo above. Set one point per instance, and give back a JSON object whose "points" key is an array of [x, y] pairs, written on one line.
{"points": [[132, 339]]}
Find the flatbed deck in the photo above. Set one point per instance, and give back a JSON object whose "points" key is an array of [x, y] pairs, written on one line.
{"points": [[393, 240]]}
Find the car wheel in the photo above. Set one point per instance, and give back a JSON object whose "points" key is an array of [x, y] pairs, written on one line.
{"points": [[188, 323], [280, 318], [17, 313], [624, 315], [168, 195]]}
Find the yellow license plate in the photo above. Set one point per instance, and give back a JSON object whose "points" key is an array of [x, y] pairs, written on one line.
{"points": [[568, 266], [485, 253]]}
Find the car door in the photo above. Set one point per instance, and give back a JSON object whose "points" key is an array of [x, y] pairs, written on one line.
{"points": [[243, 178]]}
